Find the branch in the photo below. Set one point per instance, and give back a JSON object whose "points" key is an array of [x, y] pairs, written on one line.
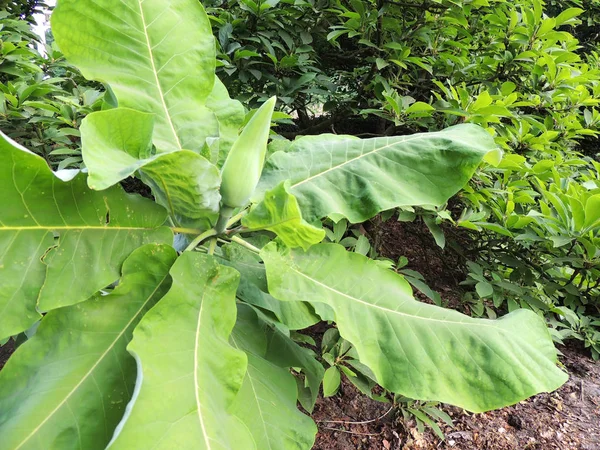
{"points": [[426, 5]]}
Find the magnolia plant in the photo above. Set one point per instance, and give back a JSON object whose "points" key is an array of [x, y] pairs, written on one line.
{"points": [[168, 324]]}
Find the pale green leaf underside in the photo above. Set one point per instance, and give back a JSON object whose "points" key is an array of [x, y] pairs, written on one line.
{"points": [[358, 178], [67, 387], [189, 373], [115, 144], [279, 212], [284, 352], [267, 400], [158, 57], [61, 242], [419, 350], [118, 142]]}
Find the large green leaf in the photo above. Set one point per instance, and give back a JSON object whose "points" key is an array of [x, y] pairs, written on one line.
{"points": [[68, 386], [158, 57], [416, 349], [279, 212], [267, 400], [62, 242], [189, 374], [358, 178], [118, 142]]}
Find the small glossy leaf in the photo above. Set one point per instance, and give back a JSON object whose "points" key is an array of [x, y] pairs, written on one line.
{"points": [[592, 211], [484, 289], [435, 230], [279, 212], [331, 381]]}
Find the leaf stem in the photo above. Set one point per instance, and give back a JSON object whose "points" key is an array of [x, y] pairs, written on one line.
{"points": [[200, 238], [212, 245], [236, 218], [186, 230], [243, 243], [224, 216]]}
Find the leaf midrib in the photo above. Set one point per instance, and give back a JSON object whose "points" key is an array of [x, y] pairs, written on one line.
{"points": [[196, 385], [362, 155], [390, 310], [155, 73]]}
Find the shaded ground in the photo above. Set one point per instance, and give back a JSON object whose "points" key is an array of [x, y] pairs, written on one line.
{"points": [[5, 352], [443, 269]]}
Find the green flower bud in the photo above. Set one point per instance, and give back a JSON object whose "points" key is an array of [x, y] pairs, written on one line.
{"points": [[244, 163]]}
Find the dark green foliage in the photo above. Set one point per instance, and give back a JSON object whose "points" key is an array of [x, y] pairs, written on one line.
{"points": [[42, 98]]}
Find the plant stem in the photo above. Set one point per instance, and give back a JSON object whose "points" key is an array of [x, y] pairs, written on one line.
{"points": [[236, 218], [224, 216], [243, 243], [200, 238], [212, 245], [186, 230]]}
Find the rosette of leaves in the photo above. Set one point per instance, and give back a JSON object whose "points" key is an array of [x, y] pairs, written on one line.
{"points": [[139, 345]]}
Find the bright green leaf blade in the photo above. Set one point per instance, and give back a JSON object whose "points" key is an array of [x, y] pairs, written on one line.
{"points": [[61, 241], [331, 381], [419, 350], [279, 212], [592, 210], [117, 142], [157, 56], [484, 289], [267, 400], [185, 183], [267, 405], [76, 367], [230, 114], [358, 178], [190, 374]]}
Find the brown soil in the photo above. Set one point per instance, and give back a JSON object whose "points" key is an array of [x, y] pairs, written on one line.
{"points": [[442, 269], [5, 351]]}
